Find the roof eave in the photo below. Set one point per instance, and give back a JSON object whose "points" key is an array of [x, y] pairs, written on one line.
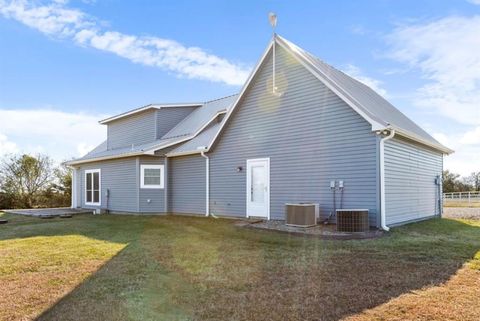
{"points": [[190, 152], [150, 106], [152, 150], [445, 150], [97, 159]]}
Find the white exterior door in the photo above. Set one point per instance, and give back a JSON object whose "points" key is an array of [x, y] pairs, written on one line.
{"points": [[258, 187]]}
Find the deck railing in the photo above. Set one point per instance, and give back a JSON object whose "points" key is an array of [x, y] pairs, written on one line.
{"points": [[463, 197]]}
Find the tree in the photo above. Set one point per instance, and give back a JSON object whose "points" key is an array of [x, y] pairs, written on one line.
{"points": [[62, 186], [453, 183], [449, 181], [23, 178], [474, 181]]}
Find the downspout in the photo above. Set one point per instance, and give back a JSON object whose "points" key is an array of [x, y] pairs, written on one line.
{"points": [[383, 219], [166, 185], [207, 180]]}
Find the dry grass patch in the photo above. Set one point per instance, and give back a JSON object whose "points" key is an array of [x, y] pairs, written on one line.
{"points": [[36, 272], [457, 299], [475, 204]]}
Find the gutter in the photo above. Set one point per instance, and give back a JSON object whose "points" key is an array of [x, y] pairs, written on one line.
{"points": [[90, 160], [383, 218], [207, 180], [401, 132]]}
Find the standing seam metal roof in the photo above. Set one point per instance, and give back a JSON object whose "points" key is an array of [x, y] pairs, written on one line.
{"points": [[368, 100]]}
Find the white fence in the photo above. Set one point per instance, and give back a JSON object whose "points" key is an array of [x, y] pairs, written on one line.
{"points": [[464, 197]]}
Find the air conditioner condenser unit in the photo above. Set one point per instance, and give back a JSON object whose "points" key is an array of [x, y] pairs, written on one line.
{"points": [[301, 214]]}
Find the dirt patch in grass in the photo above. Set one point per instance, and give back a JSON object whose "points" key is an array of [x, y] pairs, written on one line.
{"points": [[181, 268]]}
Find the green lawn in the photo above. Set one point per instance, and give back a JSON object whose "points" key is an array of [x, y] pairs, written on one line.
{"points": [[182, 268]]}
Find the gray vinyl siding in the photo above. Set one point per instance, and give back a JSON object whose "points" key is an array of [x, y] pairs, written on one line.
{"points": [[156, 196], [167, 118], [311, 137], [119, 176], [410, 189], [187, 189], [136, 129]]}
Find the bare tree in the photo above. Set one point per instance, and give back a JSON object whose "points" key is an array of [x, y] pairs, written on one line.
{"points": [[474, 180], [23, 178], [452, 182]]}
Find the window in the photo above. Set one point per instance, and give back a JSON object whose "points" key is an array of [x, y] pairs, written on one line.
{"points": [[151, 176], [92, 187]]}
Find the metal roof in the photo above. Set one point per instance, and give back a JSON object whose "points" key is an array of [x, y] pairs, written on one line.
{"points": [[102, 153], [200, 117], [373, 106], [204, 139]]}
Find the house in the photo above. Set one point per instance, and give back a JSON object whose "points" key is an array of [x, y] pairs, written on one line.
{"points": [[284, 138]]}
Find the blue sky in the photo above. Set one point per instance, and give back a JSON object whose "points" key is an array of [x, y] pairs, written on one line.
{"points": [[66, 64]]}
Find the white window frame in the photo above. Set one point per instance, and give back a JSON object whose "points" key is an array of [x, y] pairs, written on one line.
{"points": [[91, 171], [142, 176]]}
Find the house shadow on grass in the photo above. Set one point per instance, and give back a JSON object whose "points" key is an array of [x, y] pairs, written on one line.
{"points": [[184, 268]]}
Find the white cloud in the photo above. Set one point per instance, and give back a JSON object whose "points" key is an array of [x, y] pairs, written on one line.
{"points": [[471, 137], [464, 161], [84, 148], [466, 158], [446, 52], [474, 1], [6, 146], [57, 20], [56, 133], [356, 73], [442, 138]]}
